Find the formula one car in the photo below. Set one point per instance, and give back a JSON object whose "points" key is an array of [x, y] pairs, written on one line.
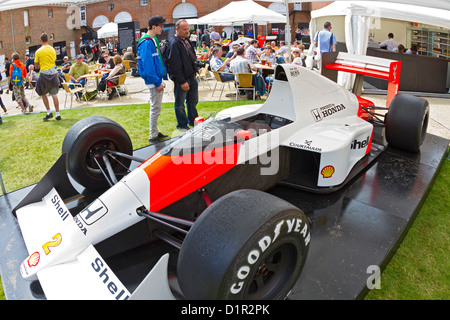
{"points": [[205, 193]]}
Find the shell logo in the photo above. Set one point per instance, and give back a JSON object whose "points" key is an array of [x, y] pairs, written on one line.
{"points": [[33, 260], [327, 172]]}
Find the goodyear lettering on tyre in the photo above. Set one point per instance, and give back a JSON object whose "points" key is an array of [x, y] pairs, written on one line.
{"points": [[295, 225]]}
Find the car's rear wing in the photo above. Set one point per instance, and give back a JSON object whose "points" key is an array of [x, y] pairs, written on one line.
{"points": [[386, 69]]}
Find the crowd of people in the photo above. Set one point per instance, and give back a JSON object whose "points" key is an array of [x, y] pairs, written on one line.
{"points": [[41, 74], [392, 45], [179, 62]]}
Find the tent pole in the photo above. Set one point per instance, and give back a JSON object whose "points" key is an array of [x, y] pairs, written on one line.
{"points": [[287, 31]]}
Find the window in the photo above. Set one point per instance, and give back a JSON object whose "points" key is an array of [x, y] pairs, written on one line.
{"points": [[52, 36], [144, 3], [28, 40], [123, 17], [100, 21], [185, 10], [26, 22], [50, 13], [1, 45]]}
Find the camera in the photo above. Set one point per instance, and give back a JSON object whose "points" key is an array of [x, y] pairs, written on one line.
{"points": [[198, 65]]}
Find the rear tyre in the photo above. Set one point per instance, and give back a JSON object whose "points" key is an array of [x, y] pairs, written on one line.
{"points": [[407, 122], [89, 138], [246, 245]]}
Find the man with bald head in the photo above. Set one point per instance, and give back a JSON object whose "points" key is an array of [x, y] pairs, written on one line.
{"points": [[180, 57]]}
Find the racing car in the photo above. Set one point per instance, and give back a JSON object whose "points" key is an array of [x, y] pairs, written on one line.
{"points": [[205, 193]]}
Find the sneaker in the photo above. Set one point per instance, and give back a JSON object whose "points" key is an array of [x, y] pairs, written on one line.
{"points": [[162, 136], [153, 140], [111, 95], [30, 108], [24, 111], [58, 118], [184, 128], [48, 116]]}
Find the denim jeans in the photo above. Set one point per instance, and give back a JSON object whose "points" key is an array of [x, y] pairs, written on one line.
{"points": [[191, 98], [82, 82], [226, 77]]}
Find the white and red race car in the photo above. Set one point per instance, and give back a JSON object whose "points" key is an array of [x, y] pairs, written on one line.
{"points": [[204, 192]]}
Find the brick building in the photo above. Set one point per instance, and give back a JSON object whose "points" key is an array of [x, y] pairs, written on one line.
{"points": [[22, 27]]}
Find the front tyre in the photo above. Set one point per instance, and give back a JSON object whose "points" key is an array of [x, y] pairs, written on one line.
{"points": [[246, 245], [85, 144]]}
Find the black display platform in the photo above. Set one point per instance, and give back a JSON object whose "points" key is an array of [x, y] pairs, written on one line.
{"points": [[359, 226]]}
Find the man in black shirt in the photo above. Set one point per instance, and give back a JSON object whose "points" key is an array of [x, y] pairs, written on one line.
{"points": [[180, 57]]}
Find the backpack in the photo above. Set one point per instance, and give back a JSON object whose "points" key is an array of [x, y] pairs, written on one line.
{"points": [[16, 76]]}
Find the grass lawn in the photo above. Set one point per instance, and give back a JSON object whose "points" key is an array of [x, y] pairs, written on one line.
{"points": [[419, 269]]}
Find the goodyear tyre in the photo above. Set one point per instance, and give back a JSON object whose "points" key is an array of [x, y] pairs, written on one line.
{"points": [[89, 138], [246, 245], [407, 122]]}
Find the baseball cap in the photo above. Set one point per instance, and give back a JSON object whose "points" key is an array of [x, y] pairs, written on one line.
{"points": [[156, 20], [79, 57]]}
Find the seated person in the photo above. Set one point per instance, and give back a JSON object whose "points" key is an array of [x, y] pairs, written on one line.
{"points": [[273, 44], [242, 65], [401, 49], [101, 59], [232, 52], [220, 66], [32, 76], [76, 72], [108, 65], [412, 50], [129, 55], [299, 56], [268, 55], [66, 65], [252, 52], [283, 49], [113, 77], [205, 52]]}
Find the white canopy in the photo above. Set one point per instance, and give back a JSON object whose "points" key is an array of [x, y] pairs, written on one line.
{"points": [[424, 8], [238, 12], [108, 30], [379, 9], [359, 13], [437, 4]]}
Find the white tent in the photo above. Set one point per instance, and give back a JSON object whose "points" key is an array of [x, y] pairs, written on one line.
{"points": [[238, 12], [358, 15], [423, 8], [108, 30]]}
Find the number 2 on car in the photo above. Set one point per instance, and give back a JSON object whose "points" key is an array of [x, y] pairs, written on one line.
{"points": [[56, 242]]}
